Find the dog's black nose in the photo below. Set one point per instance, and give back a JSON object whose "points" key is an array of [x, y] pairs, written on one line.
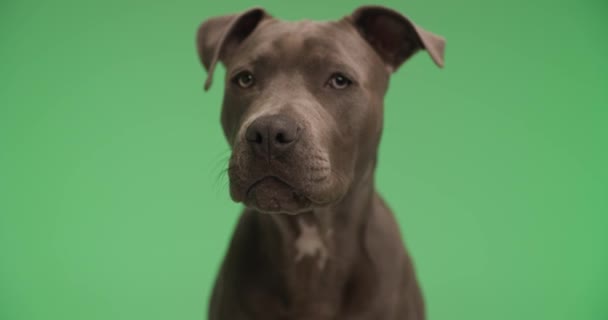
{"points": [[272, 135]]}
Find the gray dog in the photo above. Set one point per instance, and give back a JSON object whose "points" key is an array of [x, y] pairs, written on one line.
{"points": [[303, 114]]}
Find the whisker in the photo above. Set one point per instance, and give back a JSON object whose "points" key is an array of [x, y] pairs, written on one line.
{"points": [[221, 177]]}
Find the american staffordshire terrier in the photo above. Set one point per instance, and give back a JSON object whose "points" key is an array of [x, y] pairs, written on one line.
{"points": [[303, 115]]}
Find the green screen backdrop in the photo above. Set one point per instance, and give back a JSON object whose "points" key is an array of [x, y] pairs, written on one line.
{"points": [[113, 204]]}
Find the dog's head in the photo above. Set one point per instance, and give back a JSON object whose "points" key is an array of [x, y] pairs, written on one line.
{"points": [[302, 108]]}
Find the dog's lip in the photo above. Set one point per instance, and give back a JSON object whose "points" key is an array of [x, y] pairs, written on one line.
{"points": [[261, 179], [297, 191], [304, 201]]}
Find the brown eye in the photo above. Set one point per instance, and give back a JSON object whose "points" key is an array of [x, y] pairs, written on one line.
{"points": [[244, 79], [339, 81]]}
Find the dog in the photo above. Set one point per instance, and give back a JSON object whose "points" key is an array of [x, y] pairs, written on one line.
{"points": [[303, 115]]}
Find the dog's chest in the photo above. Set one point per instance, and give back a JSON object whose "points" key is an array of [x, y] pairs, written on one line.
{"points": [[311, 280], [306, 296], [311, 243]]}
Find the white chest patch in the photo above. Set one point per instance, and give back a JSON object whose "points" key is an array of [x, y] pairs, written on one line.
{"points": [[310, 243]]}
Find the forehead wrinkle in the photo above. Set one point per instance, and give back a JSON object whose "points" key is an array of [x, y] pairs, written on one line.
{"points": [[313, 51], [260, 57], [262, 60], [334, 63]]}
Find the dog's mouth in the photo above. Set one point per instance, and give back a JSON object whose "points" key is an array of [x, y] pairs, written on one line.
{"points": [[273, 195]]}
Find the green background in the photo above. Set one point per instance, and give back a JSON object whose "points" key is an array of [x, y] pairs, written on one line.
{"points": [[113, 205]]}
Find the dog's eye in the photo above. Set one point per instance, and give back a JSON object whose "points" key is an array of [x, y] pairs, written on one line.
{"points": [[244, 79], [339, 81]]}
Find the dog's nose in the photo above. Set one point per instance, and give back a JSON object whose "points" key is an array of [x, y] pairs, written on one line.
{"points": [[272, 135]]}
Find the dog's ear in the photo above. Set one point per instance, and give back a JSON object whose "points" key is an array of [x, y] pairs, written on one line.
{"points": [[394, 37], [218, 37]]}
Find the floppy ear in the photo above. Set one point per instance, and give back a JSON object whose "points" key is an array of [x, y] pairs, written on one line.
{"points": [[394, 37], [218, 37]]}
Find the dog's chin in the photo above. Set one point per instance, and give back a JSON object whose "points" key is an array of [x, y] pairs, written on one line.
{"points": [[272, 195]]}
